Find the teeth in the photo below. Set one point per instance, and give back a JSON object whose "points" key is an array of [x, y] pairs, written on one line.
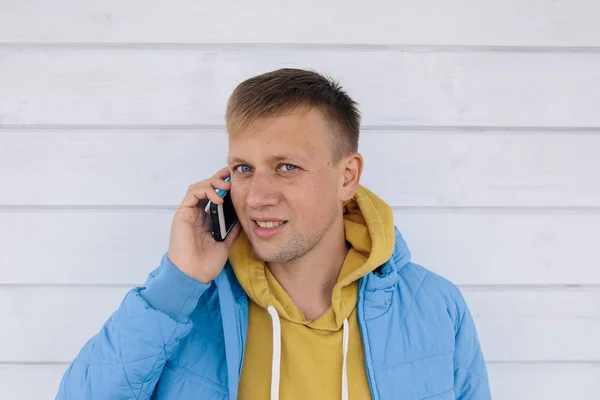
{"points": [[268, 224]]}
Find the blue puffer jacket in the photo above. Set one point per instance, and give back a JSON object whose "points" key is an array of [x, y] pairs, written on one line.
{"points": [[176, 338]]}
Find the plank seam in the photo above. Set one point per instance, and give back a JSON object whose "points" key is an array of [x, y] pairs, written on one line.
{"points": [[413, 48], [490, 362], [491, 129], [492, 287], [16, 208]]}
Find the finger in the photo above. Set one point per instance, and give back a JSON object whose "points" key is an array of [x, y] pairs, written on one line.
{"points": [[198, 192], [197, 196], [208, 220], [215, 182], [203, 222], [222, 173], [219, 183], [193, 197]]}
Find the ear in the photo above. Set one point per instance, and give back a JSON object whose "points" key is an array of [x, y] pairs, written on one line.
{"points": [[351, 168]]}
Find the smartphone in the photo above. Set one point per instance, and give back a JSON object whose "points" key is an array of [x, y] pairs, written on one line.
{"points": [[223, 215]]}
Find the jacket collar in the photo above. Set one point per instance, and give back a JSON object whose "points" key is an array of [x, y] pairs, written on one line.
{"points": [[375, 292], [383, 277], [386, 275]]}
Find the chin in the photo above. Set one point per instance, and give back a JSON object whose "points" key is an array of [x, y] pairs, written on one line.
{"points": [[264, 253], [269, 254]]}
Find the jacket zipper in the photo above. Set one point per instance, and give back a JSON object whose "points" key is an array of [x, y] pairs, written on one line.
{"points": [[241, 340], [366, 341]]}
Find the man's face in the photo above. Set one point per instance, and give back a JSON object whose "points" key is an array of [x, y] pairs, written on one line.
{"points": [[282, 171]]}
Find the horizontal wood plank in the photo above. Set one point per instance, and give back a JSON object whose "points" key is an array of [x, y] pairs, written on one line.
{"points": [[540, 325], [544, 381], [457, 22], [30, 382], [406, 168], [508, 382], [469, 248], [82, 247], [544, 325], [125, 86]]}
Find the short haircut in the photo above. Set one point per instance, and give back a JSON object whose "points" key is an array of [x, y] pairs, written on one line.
{"points": [[286, 90]]}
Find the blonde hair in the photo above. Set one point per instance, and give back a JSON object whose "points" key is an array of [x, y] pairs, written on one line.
{"points": [[283, 91]]}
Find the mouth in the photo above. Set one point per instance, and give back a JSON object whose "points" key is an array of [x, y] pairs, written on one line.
{"points": [[266, 229], [269, 224]]}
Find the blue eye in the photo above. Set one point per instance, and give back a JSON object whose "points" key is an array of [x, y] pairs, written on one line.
{"points": [[242, 166], [293, 167]]}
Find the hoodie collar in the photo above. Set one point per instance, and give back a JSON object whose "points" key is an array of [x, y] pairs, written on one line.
{"points": [[369, 228]]}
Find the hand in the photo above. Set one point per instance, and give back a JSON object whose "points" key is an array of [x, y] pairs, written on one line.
{"points": [[192, 247]]}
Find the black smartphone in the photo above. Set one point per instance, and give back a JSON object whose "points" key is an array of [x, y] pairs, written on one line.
{"points": [[223, 215]]}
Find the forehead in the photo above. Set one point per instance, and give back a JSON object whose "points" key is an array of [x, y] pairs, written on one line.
{"points": [[300, 134]]}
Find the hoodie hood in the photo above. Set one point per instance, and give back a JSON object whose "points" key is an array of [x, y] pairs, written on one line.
{"points": [[369, 229]]}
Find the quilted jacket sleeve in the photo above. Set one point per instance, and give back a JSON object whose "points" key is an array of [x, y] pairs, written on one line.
{"points": [[124, 360], [470, 373]]}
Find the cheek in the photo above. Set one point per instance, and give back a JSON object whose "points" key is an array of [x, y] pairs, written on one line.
{"points": [[314, 206], [237, 198]]}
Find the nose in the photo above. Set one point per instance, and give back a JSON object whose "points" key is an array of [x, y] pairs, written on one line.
{"points": [[262, 191]]}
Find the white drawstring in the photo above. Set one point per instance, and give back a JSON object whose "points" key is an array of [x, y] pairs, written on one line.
{"points": [[344, 371], [275, 371], [276, 353]]}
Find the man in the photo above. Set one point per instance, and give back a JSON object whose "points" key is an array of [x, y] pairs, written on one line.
{"points": [[311, 296]]}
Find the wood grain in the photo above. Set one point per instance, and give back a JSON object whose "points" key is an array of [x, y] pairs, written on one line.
{"points": [[515, 326], [470, 248], [430, 22], [142, 86], [413, 168]]}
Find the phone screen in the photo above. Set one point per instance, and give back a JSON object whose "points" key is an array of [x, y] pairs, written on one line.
{"points": [[229, 215]]}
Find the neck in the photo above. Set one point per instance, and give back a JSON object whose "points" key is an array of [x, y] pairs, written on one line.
{"points": [[309, 280]]}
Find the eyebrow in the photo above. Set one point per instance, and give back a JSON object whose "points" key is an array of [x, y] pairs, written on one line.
{"points": [[275, 158]]}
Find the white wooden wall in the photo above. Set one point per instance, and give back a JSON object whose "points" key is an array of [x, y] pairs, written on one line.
{"points": [[481, 128]]}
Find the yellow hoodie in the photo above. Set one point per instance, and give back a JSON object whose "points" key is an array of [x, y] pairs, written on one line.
{"points": [[311, 351]]}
